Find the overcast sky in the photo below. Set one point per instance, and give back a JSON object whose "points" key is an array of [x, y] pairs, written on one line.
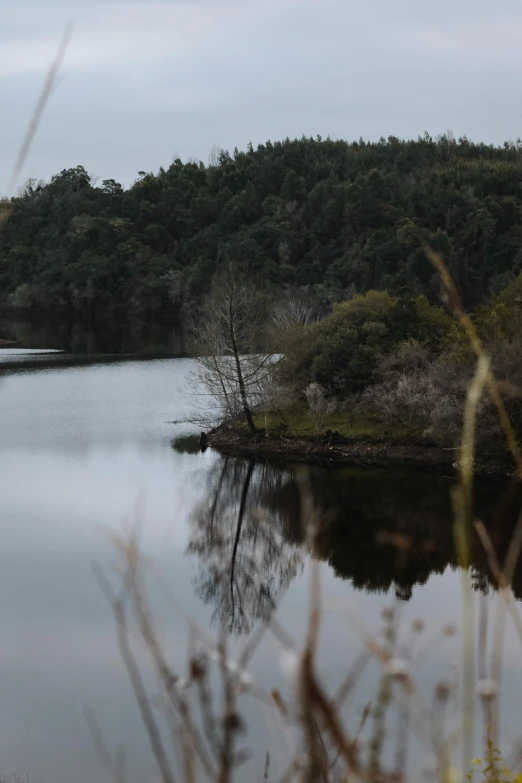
{"points": [[146, 81]]}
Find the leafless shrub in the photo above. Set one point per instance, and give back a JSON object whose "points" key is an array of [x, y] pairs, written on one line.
{"points": [[295, 311], [408, 356], [269, 396], [430, 392], [320, 406]]}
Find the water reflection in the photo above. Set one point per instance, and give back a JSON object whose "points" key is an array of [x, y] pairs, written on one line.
{"points": [[79, 445], [247, 555], [115, 337], [380, 530]]}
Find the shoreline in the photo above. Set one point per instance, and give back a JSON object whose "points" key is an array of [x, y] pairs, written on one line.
{"points": [[334, 449]]}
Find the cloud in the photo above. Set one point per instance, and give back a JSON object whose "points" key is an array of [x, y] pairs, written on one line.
{"points": [[144, 80], [123, 35], [474, 43]]}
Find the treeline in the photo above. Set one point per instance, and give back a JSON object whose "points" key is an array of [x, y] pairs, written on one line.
{"points": [[338, 218]]}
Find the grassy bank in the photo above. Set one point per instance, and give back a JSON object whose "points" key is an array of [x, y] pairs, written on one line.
{"points": [[290, 436], [296, 421]]}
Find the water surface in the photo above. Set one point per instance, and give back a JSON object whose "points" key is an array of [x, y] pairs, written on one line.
{"points": [[104, 447]]}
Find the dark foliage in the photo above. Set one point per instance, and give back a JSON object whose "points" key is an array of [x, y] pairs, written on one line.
{"points": [[341, 217], [342, 352]]}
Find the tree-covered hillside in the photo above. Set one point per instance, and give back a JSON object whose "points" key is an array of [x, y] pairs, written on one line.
{"points": [[344, 218]]}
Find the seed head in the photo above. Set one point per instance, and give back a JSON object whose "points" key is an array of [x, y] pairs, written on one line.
{"points": [[487, 689], [442, 692]]}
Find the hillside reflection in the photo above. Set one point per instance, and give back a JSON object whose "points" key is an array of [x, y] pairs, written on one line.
{"points": [[381, 530], [106, 337]]}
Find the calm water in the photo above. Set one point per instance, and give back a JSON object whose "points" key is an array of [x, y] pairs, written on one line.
{"points": [[88, 450]]}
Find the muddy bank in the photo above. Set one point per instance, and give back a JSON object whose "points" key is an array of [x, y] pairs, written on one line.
{"points": [[333, 448]]}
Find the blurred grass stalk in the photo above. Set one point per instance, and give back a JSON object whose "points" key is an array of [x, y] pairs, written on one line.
{"points": [[464, 524], [463, 518], [47, 88]]}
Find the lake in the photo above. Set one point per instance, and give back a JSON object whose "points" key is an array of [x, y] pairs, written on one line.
{"points": [[89, 451]]}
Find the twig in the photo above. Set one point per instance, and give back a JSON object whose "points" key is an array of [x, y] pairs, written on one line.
{"points": [[499, 576], [267, 767], [230, 717], [503, 578], [168, 680], [141, 695], [98, 740], [138, 687], [351, 678]]}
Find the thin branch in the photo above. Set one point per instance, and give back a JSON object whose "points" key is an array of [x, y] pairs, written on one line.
{"points": [[136, 680], [141, 696]]}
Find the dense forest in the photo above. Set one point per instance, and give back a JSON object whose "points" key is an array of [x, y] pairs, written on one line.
{"points": [[340, 218]]}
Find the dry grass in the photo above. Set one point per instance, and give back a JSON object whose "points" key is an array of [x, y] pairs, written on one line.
{"points": [[200, 704]]}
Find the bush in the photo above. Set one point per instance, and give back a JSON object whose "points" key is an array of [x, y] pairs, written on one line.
{"points": [[415, 388], [343, 351]]}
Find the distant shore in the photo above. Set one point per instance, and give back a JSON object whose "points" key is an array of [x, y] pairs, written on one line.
{"points": [[333, 448]]}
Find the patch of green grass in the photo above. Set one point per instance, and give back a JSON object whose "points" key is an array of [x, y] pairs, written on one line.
{"points": [[298, 422]]}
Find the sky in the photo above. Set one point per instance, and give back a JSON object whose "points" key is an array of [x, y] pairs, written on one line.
{"points": [[146, 81]]}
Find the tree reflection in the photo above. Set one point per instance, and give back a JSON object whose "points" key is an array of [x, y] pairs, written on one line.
{"points": [[393, 530], [248, 552], [380, 530]]}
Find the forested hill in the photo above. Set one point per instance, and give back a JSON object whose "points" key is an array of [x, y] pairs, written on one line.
{"points": [[340, 217]]}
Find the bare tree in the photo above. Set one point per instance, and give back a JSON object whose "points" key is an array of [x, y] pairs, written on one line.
{"points": [[226, 340], [215, 155], [319, 405], [296, 311]]}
